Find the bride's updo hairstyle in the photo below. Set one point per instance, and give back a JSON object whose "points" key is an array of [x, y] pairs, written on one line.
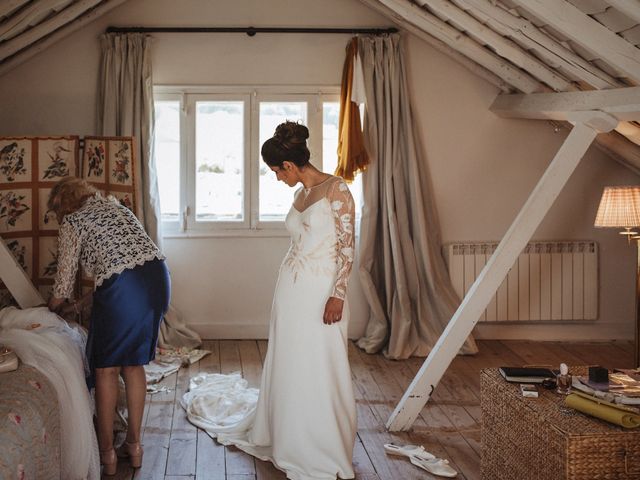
{"points": [[289, 144]]}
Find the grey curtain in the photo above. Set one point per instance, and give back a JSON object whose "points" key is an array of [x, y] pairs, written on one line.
{"points": [[125, 107], [403, 274]]}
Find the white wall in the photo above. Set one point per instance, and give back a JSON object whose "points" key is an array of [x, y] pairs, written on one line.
{"points": [[482, 167]]}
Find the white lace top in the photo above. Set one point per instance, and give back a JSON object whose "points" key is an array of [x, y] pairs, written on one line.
{"points": [[335, 190], [106, 237]]}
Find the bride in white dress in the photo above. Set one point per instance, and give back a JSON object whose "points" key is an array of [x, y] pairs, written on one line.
{"points": [[305, 417]]}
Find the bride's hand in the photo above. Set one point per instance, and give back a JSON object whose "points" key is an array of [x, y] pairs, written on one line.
{"points": [[333, 310]]}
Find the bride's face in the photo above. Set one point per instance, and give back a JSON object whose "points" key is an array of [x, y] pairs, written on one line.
{"points": [[288, 174]]}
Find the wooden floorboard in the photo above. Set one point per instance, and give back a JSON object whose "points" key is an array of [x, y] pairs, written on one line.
{"points": [[448, 426]]}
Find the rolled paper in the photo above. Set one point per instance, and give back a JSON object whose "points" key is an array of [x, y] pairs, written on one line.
{"points": [[604, 412]]}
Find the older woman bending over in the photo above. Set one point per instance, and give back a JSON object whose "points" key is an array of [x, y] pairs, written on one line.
{"points": [[132, 290]]}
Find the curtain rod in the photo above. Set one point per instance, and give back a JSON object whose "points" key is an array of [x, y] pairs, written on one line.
{"points": [[251, 31]]}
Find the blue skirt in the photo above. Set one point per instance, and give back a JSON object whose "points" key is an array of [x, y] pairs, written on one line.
{"points": [[126, 315]]}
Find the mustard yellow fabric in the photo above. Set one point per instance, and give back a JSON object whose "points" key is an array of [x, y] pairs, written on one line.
{"points": [[604, 410], [352, 156]]}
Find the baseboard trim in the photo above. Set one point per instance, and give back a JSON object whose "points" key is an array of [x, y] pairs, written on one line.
{"points": [[554, 333]]}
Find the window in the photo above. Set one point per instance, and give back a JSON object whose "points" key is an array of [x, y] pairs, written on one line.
{"points": [[211, 176]]}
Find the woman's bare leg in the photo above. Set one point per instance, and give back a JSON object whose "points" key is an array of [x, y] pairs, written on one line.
{"points": [[106, 399], [136, 385]]}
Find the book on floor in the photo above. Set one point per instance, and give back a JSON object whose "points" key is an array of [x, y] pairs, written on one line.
{"points": [[526, 374]]}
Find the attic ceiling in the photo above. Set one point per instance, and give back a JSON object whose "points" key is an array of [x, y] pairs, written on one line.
{"points": [[521, 46]]}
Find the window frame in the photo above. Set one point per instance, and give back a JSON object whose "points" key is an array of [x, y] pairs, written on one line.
{"points": [[251, 225]]}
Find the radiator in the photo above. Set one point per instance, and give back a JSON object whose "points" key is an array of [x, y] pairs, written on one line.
{"points": [[550, 281]]}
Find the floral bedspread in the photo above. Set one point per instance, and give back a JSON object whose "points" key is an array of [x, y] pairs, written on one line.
{"points": [[29, 426]]}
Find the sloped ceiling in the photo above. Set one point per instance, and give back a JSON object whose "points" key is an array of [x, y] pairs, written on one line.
{"points": [[521, 46], [533, 46]]}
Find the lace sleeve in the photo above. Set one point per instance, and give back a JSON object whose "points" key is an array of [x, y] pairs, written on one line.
{"points": [[68, 254], [343, 209]]}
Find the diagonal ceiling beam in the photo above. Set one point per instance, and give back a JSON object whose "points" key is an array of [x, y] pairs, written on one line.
{"points": [[553, 52], [463, 44], [631, 8], [21, 20], [588, 33], [43, 29], [502, 46], [21, 57], [621, 103], [8, 6], [442, 47]]}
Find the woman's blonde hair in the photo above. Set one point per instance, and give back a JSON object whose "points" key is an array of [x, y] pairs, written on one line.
{"points": [[68, 195]]}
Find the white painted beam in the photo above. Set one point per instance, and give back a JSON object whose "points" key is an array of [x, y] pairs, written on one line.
{"points": [[21, 20], [442, 47], [525, 32], [463, 44], [43, 29], [485, 286], [622, 103], [502, 46], [17, 281], [588, 33], [631, 8], [8, 6], [78, 23]]}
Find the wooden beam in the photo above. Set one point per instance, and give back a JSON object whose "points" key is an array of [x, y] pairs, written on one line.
{"points": [[502, 46], [463, 44], [485, 286], [525, 32], [20, 21], [43, 29], [621, 103], [588, 33], [17, 281], [442, 47], [619, 148], [9, 6], [631, 8], [19, 58]]}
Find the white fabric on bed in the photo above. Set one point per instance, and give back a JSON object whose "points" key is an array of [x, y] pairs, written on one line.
{"points": [[46, 342]]}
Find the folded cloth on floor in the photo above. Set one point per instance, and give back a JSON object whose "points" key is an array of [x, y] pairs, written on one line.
{"points": [[603, 410]]}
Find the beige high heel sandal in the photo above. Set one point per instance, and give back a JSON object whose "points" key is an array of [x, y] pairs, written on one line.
{"points": [[133, 451], [109, 461]]}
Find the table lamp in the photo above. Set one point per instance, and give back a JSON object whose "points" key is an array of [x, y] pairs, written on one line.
{"points": [[620, 208]]}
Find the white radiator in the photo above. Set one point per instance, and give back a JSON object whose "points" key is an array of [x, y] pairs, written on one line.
{"points": [[550, 281]]}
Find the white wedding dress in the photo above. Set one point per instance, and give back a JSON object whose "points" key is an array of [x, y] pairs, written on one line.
{"points": [[304, 418]]}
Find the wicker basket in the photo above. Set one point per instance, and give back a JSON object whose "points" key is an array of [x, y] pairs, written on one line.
{"points": [[539, 438]]}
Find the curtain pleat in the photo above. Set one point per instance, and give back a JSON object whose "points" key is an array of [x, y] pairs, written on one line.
{"points": [[402, 270], [125, 107]]}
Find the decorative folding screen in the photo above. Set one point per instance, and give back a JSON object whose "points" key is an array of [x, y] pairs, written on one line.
{"points": [[29, 167]]}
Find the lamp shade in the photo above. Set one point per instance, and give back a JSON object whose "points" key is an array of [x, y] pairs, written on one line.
{"points": [[619, 207]]}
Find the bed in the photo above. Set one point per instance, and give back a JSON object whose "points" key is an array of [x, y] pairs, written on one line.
{"points": [[29, 426]]}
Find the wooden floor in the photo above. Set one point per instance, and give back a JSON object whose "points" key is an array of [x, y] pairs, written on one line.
{"points": [[449, 426]]}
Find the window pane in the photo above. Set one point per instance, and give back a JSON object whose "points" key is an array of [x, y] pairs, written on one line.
{"points": [[330, 120], [167, 156], [219, 161], [276, 197]]}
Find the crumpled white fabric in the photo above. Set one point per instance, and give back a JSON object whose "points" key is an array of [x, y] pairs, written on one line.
{"points": [[218, 403], [46, 342]]}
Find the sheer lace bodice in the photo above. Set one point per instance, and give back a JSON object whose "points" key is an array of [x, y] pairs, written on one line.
{"points": [[321, 223]]}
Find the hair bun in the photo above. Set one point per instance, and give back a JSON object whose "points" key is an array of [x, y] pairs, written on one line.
{"points": [[291, 134]]}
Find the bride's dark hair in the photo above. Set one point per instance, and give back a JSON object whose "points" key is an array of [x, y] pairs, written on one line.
{"points": [[289, 143]]}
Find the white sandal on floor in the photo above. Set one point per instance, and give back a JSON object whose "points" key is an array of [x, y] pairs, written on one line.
{"points": [[408, 451], [436, 466]]}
